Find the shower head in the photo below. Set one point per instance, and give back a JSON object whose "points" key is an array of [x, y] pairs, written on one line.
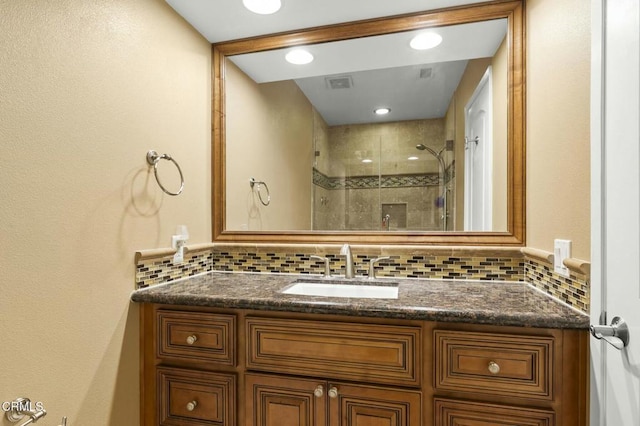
{"points": [[422, 147]]}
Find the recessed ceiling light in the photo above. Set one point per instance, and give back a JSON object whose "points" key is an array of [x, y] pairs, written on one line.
{"points": [[412, 158], [299, 57], [425, 41], [367, 160], [262, 7], [382, 111]]}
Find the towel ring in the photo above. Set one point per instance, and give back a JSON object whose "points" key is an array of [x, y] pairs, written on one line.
{"points": [[153, 158], [253, 182]]}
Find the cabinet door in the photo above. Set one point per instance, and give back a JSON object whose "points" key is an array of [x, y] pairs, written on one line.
{"points": [[359, 405], [466, 413], [282, 401]]}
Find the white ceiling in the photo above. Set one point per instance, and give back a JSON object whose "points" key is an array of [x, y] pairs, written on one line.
{"points": [[224, 20], [385, 70]]}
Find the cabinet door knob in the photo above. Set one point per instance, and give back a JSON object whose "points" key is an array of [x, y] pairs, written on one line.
{"points": [[333, 392], [192, 339], [494, 368], [319, 391], [192, 405]]}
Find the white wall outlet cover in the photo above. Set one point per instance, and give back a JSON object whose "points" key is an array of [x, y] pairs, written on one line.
{"points": [[561, 251]]}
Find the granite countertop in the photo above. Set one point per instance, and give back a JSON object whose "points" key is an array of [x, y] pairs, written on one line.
{"points": [[479, 302]]}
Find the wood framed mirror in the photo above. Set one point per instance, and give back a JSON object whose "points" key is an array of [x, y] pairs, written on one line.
{"points": [[294, 163]]}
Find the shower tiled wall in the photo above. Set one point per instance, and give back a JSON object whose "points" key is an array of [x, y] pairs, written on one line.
{"points": [[439, 263], [356, 202], [362, 167]]}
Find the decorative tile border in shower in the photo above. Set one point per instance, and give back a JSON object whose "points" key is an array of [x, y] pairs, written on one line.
{"points": [[374, 182], [157, 267], [573, 290]]}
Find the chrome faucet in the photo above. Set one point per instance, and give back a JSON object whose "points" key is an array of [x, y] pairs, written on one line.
{"points": [[348, 270], [372, 266]]}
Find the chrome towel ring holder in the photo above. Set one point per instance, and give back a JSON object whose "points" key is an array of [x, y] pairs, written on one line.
{"points": [[253, 182], [153, 158]]}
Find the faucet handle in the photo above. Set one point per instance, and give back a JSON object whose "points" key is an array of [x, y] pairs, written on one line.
{"points": [[64, 421], [327, 268], [372, 269]]}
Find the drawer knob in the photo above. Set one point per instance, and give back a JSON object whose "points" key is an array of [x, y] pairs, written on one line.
{"points": [[319, 391], [333, 392], [192, 339], [494, 368], [192, 405]]}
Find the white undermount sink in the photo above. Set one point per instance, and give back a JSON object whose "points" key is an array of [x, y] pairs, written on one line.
{"points": [[344, 288]]}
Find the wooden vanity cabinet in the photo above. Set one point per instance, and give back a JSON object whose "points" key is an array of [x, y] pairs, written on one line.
{"points": [[485, 376], [227, 367], [189, 367]]}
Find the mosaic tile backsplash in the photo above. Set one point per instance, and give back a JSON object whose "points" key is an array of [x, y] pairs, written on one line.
{"points": [[406, 266], [573, 290], [163, 270], [507, 267]]}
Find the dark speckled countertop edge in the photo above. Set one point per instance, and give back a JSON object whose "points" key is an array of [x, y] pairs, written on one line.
{"points": [[477, 302]]}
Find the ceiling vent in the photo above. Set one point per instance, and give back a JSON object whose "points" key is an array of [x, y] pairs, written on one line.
{"points": [[340, 82], [426, 72]]}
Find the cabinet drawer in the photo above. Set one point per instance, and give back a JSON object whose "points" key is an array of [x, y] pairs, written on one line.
{"points": [[457, 413], [498, 364], [370, 353], [196, 336], [195, 398]]}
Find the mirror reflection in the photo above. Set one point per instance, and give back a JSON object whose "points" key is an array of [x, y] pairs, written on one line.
{"points": [[435, 159]]}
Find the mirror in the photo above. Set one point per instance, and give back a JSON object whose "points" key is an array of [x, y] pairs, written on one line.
{"points": [[444, 166]]}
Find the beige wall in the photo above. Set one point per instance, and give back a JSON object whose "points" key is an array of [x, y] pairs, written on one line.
{"points": [[269, 131], [86, 89], [558, 73]]}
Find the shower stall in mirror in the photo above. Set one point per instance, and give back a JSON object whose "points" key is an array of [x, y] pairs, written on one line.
{"points": [[387, 176]]}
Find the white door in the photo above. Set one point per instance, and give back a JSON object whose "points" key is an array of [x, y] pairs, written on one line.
{"points": [[615, 211], [478, 176]]}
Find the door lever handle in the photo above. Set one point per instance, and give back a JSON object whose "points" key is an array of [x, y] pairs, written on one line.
{"points": [[616, 334]]}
